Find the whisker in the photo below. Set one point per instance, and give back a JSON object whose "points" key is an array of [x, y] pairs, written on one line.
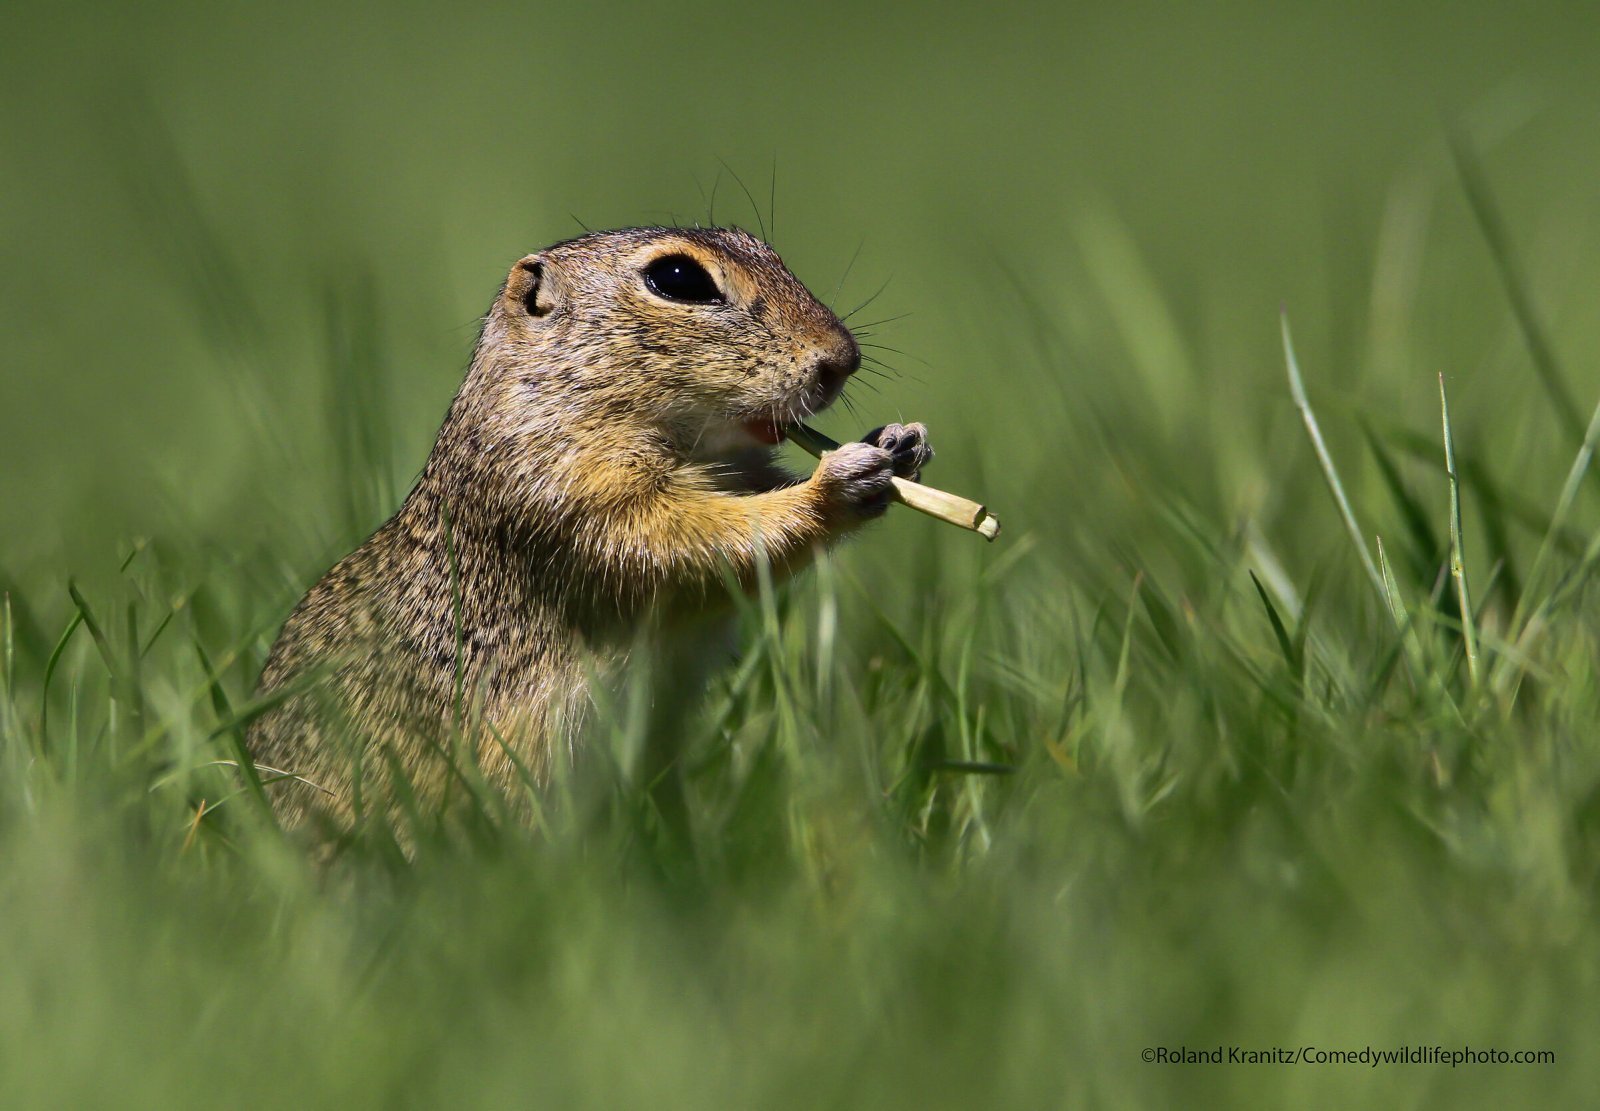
{"points": [[885, 320], [847, 268], [711, 207], [888, 370], [754, 207], [897, 351], [869, 300]]}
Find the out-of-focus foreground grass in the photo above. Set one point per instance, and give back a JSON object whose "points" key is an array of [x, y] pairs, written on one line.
{"points": [[968, 826]]}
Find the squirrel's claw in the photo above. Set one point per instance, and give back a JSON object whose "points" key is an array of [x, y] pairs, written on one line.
{"points": [[907, 444]]}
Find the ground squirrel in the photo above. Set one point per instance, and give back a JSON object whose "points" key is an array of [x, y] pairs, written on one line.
{"points": [[608, 461]]}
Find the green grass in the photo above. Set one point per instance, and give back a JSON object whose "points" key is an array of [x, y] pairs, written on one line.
{"points": [[1195, 755]]}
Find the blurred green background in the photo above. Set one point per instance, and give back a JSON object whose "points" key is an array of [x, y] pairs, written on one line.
{"points": [[187, 184], [245, 251]]}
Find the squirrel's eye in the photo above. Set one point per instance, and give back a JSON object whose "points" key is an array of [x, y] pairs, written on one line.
{"points": [[681, 278]]}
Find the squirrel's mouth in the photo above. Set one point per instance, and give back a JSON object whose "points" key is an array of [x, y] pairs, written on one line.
{"points": [[772, 427], [766, 430]]}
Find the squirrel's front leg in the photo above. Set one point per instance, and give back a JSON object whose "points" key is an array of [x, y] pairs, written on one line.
{"points": [[683, 531]]}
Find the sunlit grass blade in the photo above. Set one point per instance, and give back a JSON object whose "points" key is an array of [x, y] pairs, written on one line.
{"points": [[1458, 562], [1409, 645], [1522, 617], [1569, 585], [1391, 589], [1516, 508], [8, 646], [32, 642], [1297, 388]]}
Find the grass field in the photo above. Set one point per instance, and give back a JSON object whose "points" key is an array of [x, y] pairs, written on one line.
{"points": [[1185, 760]]}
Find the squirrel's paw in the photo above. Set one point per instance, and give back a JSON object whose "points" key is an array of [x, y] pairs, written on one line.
{"points": [[857, 479], [907, 443]]}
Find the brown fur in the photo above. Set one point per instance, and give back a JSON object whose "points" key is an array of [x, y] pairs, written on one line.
{"points": [[594, 473]]}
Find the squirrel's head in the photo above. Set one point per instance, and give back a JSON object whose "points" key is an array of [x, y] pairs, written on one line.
{"points": [[698, 331]]}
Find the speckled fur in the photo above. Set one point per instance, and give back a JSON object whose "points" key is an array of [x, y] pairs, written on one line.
{"points": [[593, 475]]}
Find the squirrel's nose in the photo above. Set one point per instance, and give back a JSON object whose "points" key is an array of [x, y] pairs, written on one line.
{"points": [[837, 362]]}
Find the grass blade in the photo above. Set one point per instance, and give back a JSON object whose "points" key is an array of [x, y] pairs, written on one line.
{"points": [[124, 684], [1558, 519], [49, 673], [1458, 565], [1425, 548], [1391, 589], [224, 711], [1481, 484], [1287, 646], [1297, 388], [1490, 222]]}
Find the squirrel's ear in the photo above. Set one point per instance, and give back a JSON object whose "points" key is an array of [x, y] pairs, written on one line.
{"points": [[528, 289]]}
